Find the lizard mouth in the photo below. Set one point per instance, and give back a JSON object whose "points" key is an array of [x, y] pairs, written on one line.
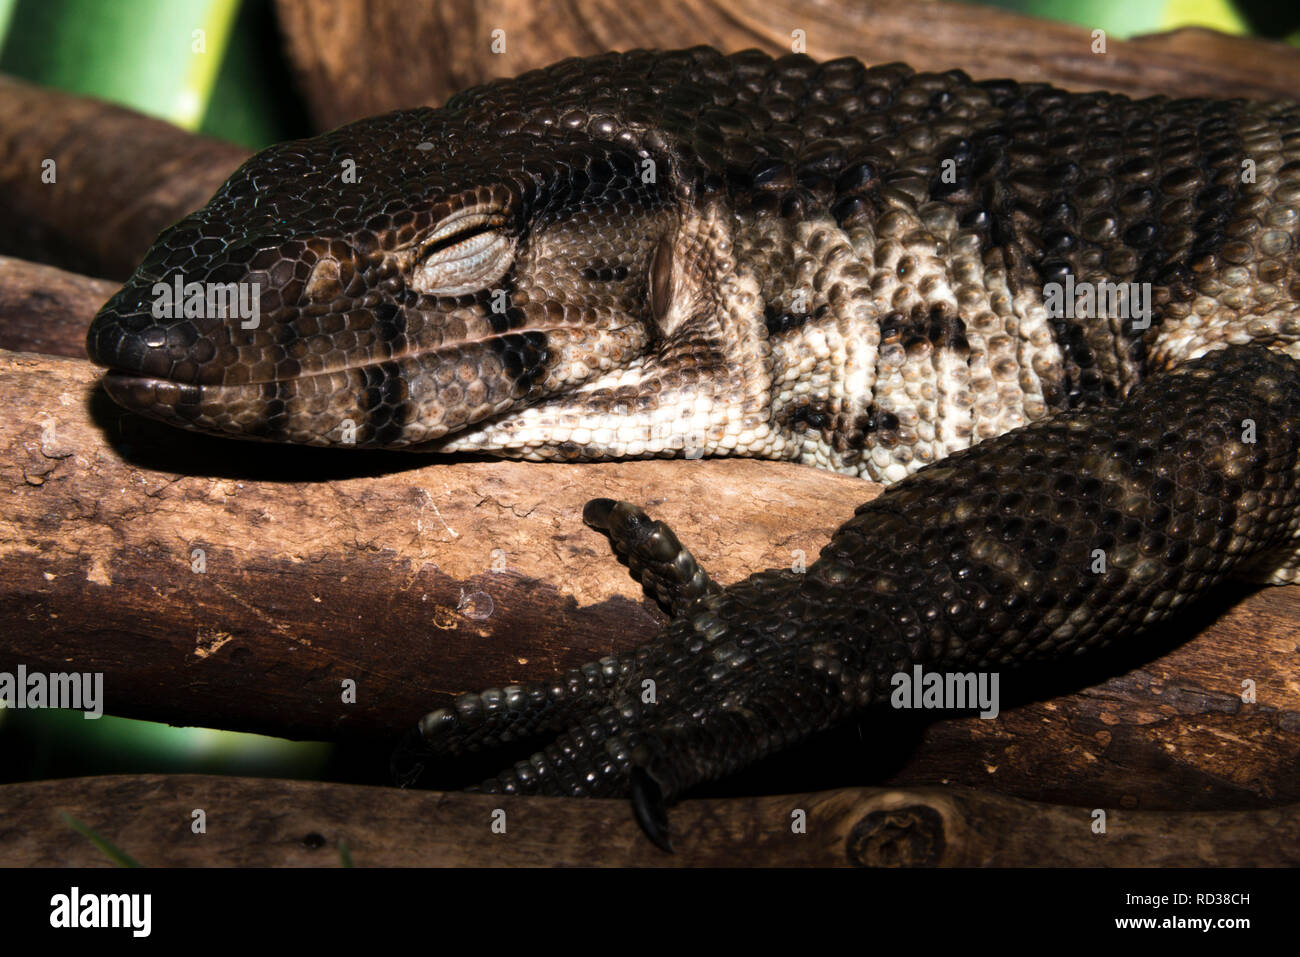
{"points": [[229, 410], [389, 402], [140, 393]]}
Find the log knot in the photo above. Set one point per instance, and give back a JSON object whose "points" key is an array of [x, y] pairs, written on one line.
{"points": [[911, 836]]}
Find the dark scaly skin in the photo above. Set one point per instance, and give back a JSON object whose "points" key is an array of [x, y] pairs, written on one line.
{"points": [[827, 263], [980, 562]]}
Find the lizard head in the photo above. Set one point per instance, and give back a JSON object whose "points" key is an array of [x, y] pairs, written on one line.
{"points": [[394, 282], [528, 271]]}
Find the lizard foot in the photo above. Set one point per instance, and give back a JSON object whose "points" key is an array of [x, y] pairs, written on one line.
{"points": [[1076, 532]]}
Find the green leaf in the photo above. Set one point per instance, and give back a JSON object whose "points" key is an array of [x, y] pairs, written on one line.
{"points": [[160, 57], [114, 853]]}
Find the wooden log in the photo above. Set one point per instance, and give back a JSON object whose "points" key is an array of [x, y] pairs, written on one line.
{"points": [[47, 310], [356, 59], [254, 822], [119, 178], [419, 578], [414, 578]]}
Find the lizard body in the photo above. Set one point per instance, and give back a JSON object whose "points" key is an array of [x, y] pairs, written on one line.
{"points": [[872, 270]]}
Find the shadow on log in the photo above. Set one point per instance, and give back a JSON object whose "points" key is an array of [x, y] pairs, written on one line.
{"points": [[47, 310]]}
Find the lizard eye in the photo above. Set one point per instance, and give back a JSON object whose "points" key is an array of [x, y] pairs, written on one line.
{"points": [[468, 252]]}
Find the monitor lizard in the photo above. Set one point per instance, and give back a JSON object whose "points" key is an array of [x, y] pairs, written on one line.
{"points": [[1062, 328]]}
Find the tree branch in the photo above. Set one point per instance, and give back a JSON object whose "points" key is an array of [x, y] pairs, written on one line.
{"points": [[119, 178], [266, 823], [358, 59]]}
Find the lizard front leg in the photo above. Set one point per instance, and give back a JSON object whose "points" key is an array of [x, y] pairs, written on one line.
{"points": [[982, 561], [497, 716]]}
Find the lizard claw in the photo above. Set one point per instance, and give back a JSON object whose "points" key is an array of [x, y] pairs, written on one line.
{"points": [[596, 513], [650, 808]]}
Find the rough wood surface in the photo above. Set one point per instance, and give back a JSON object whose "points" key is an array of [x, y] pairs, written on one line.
{"points": [[44, 309], [413, 578], [354, 58], [266, 823], [419, 578], [120, 178]]}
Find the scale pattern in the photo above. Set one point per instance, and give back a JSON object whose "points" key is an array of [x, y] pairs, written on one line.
{"points": [[667, 254]]}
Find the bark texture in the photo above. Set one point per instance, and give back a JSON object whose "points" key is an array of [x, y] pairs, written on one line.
{"points": [[356, 59], [88, 186], [266, 823]]}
